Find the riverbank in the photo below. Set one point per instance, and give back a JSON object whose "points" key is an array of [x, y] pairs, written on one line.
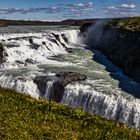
{"points": [[22, 117]]}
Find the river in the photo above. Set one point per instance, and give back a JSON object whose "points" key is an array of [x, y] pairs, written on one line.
{"points": [[31, 56]]}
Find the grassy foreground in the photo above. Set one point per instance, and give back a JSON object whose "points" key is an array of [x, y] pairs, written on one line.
{"points": [[24, 118]]}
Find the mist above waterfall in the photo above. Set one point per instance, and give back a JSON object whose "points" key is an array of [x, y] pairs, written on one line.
{"points": [[92, 34]]}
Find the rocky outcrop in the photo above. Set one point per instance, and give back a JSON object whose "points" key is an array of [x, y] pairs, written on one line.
{"points": [[30, 61], [58, 39], [85, 27], [65, 38], [41, 84], [33, 45], [69, 50], [120, 46], [2, 54], [68, 77], [59, 86], [62, 79]]}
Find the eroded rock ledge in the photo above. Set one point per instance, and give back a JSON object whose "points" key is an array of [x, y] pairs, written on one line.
{"points": [[58, 87]]}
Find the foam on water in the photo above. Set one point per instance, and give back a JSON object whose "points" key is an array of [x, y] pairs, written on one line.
{"points": [[20, 52]]}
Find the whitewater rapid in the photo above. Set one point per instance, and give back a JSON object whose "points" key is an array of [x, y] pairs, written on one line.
{"points": [[33, 58], [35, 48]]}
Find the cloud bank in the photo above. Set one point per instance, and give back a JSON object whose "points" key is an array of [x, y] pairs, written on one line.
{"points": [[73, 10], [123, 10]]}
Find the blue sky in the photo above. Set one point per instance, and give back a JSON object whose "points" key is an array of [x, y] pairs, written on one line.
{"points": [[67, 9]]}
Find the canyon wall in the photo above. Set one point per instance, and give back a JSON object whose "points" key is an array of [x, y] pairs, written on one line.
{"points": [[121, 46]]}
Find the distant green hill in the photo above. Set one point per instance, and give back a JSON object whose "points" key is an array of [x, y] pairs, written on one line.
{"points": [[69, 22], [24, 118], [130, 24]]}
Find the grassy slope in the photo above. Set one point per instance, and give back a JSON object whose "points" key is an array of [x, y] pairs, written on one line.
{"points": [[130, 24], [24, 118]]}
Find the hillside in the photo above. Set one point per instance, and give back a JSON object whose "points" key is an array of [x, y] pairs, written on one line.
{"points": [[69, 22], [129, 24], [22, 117]]}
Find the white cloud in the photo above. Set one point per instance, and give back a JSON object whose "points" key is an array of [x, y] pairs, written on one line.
{"points": [[131, 6], [79, 9], [80, 5], [90, 3], [53, 9], [113, 7], [125, 9]]}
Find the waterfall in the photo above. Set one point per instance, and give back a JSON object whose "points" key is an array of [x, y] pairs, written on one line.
{"points": [[24, 49], [33, 61], [72, 35], [93, 34], [49, 87], [25, 86], [116, 107]]}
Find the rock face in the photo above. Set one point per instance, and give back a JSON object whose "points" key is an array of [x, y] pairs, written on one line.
{"points": [[85, 27], [65, 38], [41, 84], [33, 45], [68, 77], [2, 54], [122, 47], [59, 86], [57, 38]]}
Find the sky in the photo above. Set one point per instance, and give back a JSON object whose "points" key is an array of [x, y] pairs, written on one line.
{"points": [[67, 9]]}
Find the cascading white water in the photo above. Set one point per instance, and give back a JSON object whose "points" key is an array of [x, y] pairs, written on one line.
{"points": [[116, 107], [49, 87], [93, 34], [101, 95], [72, 35], [25, 86], [20, 52]]}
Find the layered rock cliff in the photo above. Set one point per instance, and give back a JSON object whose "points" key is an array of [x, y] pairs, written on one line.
{"points": [[119, 43]]}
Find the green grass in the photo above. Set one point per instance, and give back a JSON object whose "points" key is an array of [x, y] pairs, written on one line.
{"points": [[130, 24], [24, 118]]}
